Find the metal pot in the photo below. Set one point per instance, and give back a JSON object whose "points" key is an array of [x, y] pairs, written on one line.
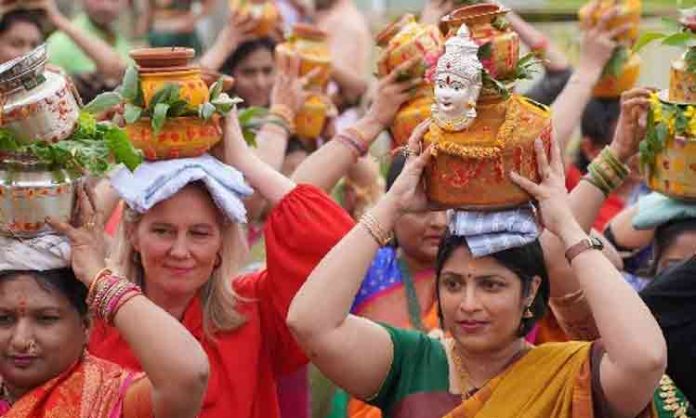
{"points": [[30, 192], [38, 105]]}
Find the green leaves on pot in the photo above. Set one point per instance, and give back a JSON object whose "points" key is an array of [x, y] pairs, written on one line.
{"points": [[206, 111], [527, 66], [251, 119], [159, 116], [132, 113], [616, 63], [121, 148], [130, 87], [103, 102], [493, 84], [216, 89]]}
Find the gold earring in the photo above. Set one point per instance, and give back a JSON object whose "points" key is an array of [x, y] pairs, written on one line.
{"points": [[528, 314]]}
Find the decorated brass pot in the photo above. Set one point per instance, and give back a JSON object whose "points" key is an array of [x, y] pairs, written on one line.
{"points": [[490, 30], [406, 39], [158, 67], [30, 192], [264, 12], [180, 137], [38, 105], [470, 168], [313, 48]]}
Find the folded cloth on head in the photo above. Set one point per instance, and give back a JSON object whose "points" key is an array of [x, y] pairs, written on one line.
{"points": [[153, 182], [47, 252], [487, 233], [657, 209]]}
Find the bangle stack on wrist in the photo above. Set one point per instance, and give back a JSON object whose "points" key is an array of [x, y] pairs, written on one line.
{"points": [[370, 223], [355, 140], [284, 117], [606, 172], [108, 293]]}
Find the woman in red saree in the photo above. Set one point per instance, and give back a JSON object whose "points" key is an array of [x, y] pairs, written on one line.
{"points": [[44, 325]]}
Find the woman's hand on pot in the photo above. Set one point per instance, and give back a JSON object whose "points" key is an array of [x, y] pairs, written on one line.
{"points": [[233, 149], [407, 194], [87, 243], [550, 194], [630, 129], [289, 88], [393, 91], [598, 41]]}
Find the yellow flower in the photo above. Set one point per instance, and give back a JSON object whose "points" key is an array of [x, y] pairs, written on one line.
{"points": [[656, 107], [691, 118]]}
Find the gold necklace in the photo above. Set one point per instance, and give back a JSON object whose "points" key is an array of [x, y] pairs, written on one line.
{"points": [[464, 377]]}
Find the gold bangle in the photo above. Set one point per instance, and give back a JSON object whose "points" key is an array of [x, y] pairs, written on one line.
{"points": [[101, 273], [370, 223]]}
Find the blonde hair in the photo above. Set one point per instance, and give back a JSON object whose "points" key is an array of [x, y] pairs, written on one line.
{"points": [[218, 297]]}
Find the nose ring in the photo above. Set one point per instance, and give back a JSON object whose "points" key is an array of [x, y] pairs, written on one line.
{"points": [[30, 346]]}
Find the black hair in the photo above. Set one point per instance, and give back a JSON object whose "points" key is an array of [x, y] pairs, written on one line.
{"points": [[526, 262], [598, 125], [62, 280], [244, 50], [295, 144], [34, 17], [665, 235], [396, 167]]}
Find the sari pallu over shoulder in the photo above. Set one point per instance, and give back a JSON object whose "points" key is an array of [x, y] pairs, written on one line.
{"points": [[552, 380], [92, 388]]}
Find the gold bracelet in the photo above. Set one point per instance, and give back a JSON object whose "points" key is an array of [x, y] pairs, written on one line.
{"points": [[283, 112], [370, 223]]}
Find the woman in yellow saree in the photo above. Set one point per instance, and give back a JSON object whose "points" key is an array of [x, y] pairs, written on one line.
{"points": [[45, 369], [487, 304]]}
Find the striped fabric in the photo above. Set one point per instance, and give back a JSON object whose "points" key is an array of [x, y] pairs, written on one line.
{"points": [[491, 232]]}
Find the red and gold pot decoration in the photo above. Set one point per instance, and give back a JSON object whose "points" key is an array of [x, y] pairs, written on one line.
{"points": [[477, 136], [401, 42], [311, 45], [264, 12], [668, 152], [622, 71], [171, 112]]}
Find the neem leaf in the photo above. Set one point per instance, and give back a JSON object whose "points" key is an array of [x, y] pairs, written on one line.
{"points": [[178, 108], [485, 51], [130, 87], [132, 113], [166, 94], [224, 103], [122, 149], [247, 115], [679, 39], [646, 39], [206, 111], [103, 102], [159, 116], [8, 142], [216, 89], [616, 63]]}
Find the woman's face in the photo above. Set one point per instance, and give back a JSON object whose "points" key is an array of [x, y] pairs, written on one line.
{"points": [[41, 334], [254, 77], [482, 302], [681, 249], [178, 241], [419, 235], [20, 38]]}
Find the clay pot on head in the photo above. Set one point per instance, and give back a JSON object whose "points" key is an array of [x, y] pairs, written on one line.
{"points": [[312, 46], [682, 83], [629, 14], [406, 39], [410, 115], [312, 117], [158, 67], [491, 32], [180, 137], [470, 168], [610, 86], [264, 12]]}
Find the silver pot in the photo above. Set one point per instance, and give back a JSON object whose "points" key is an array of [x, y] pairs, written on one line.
{"points": [[30, 192], [39, 105]]}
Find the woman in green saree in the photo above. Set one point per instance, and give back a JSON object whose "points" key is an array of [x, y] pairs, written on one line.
{"points": [[486, 304]]}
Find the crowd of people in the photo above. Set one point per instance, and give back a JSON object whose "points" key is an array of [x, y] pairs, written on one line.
{"points": [[327, 286]]}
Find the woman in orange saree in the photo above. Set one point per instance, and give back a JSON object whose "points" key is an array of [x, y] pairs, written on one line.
{"points": [[45, 368]]}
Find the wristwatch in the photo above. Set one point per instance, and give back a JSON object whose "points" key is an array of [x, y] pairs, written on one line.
{"points": [[589, 243]]}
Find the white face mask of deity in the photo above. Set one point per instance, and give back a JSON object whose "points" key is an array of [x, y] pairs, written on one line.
{"points": [[455, 96]]}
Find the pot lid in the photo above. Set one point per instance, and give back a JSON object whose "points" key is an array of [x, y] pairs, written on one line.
{"points": [[162, 57], [32, 62]]}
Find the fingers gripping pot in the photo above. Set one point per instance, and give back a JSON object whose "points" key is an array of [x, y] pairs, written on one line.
{"points": [[402, 41], [478, 138]]}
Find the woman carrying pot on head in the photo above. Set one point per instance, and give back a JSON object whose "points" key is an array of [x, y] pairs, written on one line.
{"points": [[487, 303], [44, 326], [182, 242]]}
